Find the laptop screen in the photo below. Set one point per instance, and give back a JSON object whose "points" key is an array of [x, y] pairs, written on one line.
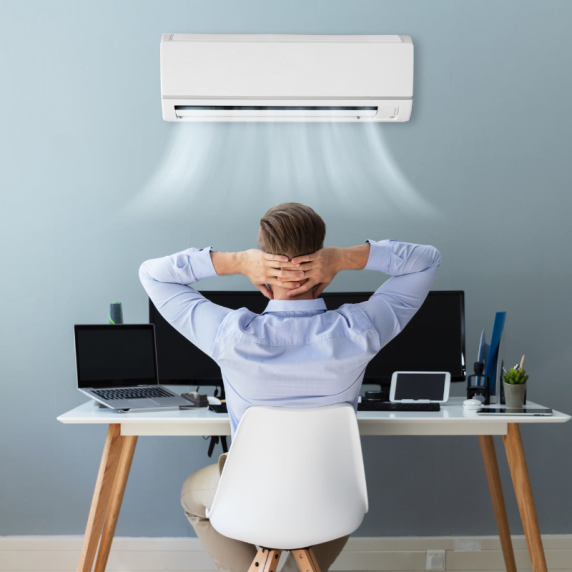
{"points": [[115, 356]]}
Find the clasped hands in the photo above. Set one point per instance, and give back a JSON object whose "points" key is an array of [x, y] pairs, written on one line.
{"points": [[309, 273], [302, 274]]}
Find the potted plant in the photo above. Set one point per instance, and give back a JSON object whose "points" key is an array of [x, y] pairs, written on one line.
{"points": [[514, 383]]}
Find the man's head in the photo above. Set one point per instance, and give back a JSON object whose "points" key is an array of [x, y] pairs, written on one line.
{"points": [[291, 229]]}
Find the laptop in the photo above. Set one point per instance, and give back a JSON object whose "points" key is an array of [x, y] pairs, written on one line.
{"points": [[117, 367]]}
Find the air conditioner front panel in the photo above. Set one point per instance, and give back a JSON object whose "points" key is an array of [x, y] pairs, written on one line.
{"points": [[293, 38], [287, 69], [269, 71]]}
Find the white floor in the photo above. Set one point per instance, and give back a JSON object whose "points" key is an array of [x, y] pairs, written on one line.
{"points": [[475, 554]]}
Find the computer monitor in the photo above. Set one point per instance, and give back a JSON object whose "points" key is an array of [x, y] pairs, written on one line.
{"points": [[434, 339]]}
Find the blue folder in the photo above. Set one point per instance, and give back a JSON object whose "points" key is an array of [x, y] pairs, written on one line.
{"points": [[491, 367]]}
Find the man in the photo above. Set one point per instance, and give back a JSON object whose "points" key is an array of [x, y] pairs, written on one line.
{"points": [[295, 354]]}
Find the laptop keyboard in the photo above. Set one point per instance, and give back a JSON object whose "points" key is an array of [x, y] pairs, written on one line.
{"points": [[131, 393]]}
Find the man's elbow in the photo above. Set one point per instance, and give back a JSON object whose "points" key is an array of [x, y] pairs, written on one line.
{"points": [[427, 257], [144, 271], [436, 258]]}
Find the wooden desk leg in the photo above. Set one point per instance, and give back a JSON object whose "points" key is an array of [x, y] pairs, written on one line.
{"points": [[101, 495], [521, 482], [495, 488], [114, 507]]}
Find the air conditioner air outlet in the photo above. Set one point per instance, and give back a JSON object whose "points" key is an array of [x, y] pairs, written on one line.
{"points": [[283, 113], [268, 111]]}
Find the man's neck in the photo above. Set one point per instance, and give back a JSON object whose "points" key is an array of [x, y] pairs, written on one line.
{"points": [[282, 294]]}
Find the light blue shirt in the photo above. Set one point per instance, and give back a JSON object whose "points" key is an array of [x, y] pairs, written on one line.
{"points": [[296, 353]]}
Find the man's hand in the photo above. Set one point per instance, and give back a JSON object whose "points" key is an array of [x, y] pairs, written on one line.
{"points": [[317, 269], [262, 268], [320, 268]]}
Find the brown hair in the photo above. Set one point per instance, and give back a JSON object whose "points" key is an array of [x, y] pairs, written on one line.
{"points": [[291, 229]]}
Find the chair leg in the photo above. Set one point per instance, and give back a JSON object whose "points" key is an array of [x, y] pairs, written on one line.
{"points": [[306, 560], [266, 560], [272, 560]]}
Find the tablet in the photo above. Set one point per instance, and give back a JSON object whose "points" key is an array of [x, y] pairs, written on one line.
{"points": [[420, 386], [522, 411]]}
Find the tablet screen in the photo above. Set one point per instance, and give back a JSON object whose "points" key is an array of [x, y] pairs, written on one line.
{"points": [[420, 386], [506, 411]]}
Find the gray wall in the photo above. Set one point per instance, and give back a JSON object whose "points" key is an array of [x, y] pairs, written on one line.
{"points": [[94, 182]]}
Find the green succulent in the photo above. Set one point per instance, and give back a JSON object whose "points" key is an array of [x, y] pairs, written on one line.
{"points": [[515, 376]]}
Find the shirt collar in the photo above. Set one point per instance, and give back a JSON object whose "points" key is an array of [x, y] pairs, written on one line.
{"points": [[296, 306]]}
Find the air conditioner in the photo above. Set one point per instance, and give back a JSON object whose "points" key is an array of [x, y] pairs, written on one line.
{"points": [[244, 77]]}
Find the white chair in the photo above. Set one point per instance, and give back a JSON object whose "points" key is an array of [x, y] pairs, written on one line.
{"points": [[293, 478]]}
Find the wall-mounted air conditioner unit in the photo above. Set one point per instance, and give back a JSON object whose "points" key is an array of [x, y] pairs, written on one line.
{"points": [[243, 77]]}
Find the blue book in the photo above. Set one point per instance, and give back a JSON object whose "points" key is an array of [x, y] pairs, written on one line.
{"points": [[491, 367]]}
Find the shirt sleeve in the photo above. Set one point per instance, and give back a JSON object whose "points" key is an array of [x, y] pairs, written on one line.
{"points": [[413, 268], [166, 281]]}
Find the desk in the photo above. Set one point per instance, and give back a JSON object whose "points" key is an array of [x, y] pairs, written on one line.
{"points": [[125, 428]]}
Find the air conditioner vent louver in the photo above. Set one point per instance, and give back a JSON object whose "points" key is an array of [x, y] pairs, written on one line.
{"points": [[265, 111]]}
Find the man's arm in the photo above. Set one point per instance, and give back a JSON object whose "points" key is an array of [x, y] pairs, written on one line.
{"points": [[166, 281], [412, 266]]}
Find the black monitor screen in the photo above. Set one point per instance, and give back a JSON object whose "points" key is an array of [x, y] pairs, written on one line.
{"points": [[116, 356], [180, 361], [434, 339]]}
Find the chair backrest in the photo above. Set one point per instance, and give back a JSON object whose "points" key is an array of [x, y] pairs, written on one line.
{"points": [[293, 478]]}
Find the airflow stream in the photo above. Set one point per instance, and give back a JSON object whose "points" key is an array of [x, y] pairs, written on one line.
{"points": [[249, 77]]}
